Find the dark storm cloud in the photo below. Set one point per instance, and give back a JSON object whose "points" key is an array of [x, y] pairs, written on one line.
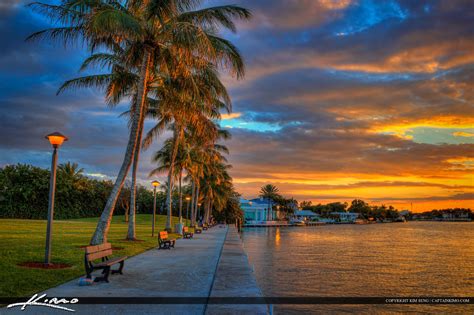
{"points": [[31, 73]]}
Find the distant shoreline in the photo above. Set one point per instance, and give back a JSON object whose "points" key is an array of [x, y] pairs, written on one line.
{"points": [[285, 224]]}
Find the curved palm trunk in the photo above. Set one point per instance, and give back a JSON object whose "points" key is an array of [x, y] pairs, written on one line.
{"points": [[169, 198], [207, 211], [103, 226], [180, 197], [193, 195], [133, 190], [196, 202]]}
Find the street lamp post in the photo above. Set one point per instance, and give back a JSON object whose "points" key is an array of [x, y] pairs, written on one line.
{"points": [[187, 208], [56, 139], [155, 184]]}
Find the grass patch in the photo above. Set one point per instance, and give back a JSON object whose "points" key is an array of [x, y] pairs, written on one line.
{"points": [[24, 241]]}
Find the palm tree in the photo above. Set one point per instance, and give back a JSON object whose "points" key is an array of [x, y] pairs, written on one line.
{"points": [[214, 49], [216, 185], [269, 192], [70, 171], [190, 103], [149, 33]]}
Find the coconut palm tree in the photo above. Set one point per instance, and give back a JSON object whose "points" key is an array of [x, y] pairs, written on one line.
{"points": [[70, 171], [269, 192], [188, 104], [216, 185], [150, 33]]}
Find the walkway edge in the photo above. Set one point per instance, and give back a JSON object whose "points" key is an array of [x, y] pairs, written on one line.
{"points": [[234, 277]]}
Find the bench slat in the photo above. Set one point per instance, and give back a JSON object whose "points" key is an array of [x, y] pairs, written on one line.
{"points": [[97, 255], [98, 248], [111, 262]]}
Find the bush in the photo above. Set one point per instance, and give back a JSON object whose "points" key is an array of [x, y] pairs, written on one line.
{"points": [[24, 191]]}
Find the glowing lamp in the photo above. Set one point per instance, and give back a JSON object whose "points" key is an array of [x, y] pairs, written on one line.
{"points": [[56, 139], [155, 183], [188, 198]]}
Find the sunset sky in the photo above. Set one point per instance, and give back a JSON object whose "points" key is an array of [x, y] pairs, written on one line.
{"points": [[342, 99]]}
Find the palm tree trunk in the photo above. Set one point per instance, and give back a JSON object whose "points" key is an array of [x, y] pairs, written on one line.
{"points": [[126, 213], [103, 226], [180, 197], [133, 190], [208, 209], [193, 194], [196, 202], [169, 198], [211, 203]]}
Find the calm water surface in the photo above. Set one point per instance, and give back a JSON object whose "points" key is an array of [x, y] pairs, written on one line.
{"points": [[400, 259]]}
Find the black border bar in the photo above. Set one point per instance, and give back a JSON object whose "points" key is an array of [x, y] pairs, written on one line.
{"points": [[256, 300]]}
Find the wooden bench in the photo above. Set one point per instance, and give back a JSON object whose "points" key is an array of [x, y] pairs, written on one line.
{"points": [[197, 230], [103, 252], [164, 241], [187, 233]]}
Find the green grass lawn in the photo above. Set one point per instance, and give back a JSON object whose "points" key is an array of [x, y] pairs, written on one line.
{"points": [[24, 240]]}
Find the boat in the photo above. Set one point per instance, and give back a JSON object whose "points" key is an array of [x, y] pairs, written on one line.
{"points": [[296, 221]]}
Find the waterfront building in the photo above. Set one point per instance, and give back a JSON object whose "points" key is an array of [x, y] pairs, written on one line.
{"points": [[255, 210], [345, 216]]}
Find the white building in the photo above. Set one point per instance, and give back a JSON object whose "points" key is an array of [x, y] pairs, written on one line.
{"points": [[346, 216], [255, 210]]}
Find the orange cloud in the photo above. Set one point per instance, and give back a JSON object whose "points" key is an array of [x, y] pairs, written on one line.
{"points": [[447, 122], [231, 115], [463, 134]]}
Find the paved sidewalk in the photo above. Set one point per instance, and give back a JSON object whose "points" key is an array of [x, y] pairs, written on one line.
{"points": [[212, 264], [185, 271]]}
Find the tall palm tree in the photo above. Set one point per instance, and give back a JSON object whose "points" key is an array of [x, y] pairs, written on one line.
{"points": [[269, 192], [142, 29], [190, 103]]}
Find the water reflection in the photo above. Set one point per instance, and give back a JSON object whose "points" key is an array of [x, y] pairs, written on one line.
{"points": [[413, 259], [277, 237]]}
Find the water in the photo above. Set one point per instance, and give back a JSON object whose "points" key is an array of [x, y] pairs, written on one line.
{"points": [[399, 259]]}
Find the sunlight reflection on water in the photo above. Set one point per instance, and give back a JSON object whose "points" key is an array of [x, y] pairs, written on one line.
{"points": [[412, 259]]}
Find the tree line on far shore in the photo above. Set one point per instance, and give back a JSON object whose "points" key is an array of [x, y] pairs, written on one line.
{"points": [[368, 211], [365, 210]]}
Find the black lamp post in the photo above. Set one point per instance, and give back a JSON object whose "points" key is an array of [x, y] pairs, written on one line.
{"points": [[56, 139], [187, 208]]}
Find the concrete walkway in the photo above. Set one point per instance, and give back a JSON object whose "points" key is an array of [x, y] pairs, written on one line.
{"points": [[188, 270]]}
